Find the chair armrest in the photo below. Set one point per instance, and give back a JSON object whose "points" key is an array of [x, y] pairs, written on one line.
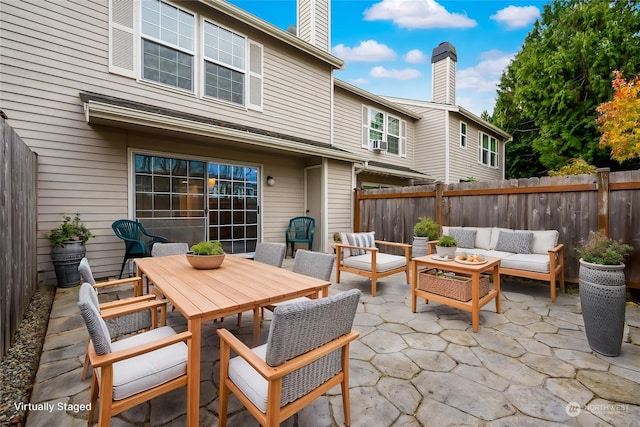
{"points": [[559, 249], [398, 245], [273, 372], [121, 302], [117, 282], [431, 246], [121, 310], [117, 356]]}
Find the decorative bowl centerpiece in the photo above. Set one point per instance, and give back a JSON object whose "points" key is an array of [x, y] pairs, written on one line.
{"points": [[206, 255]]}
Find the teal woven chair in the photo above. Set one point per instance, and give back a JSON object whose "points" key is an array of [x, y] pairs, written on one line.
{"points": [[300, 230], [137, 240]]}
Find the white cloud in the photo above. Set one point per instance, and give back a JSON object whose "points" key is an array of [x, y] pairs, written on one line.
{"points": [[517, 17], [359, 81], [417, 14], [366, 51], [406, 74], [415, 56], [484, 76]]}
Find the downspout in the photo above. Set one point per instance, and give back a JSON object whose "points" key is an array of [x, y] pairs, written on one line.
{"points": [[446, 147]]}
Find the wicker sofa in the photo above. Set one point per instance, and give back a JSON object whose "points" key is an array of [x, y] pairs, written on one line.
{"points": [[532, 254]]}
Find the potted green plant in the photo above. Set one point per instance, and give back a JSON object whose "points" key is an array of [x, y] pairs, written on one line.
{"points": [[68, 248], [446, 247], [603, 291], [424, 230], [206, 255]]}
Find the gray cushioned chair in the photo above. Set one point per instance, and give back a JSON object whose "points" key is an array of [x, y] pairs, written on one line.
{"points": [[166, 249], [119, 322], [313, 264], [268, 253], [306, 354], [132, 370]]}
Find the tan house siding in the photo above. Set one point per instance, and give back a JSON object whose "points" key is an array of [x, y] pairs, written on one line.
{"points": [[348, 128], [340, 189], [429, 143], [52, 51], [314, 22]]}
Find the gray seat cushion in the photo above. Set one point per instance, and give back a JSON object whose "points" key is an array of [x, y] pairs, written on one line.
{"points": [[384, 262], [529, 262], [148, 370]]}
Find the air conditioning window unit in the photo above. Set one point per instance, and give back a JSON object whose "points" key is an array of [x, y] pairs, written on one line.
{"points": [[378, 145]]}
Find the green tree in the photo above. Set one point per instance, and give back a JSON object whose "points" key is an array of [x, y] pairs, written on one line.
{"points": [[548, 96]]}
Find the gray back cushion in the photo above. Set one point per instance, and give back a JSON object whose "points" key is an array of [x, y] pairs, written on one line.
{"points": [[464, 238], [96, 326], [518, 242], [270, 253], [313, 264], [165, 249], [85, 271]]}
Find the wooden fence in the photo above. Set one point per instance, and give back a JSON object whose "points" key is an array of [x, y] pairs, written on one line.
{"points": [[573, 205], [18, 271]]}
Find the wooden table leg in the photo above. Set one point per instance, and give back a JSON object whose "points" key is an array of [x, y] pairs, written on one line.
{"points": [[193, 373], [475, 300], [414, 283], [256, 327], [496, 286]]}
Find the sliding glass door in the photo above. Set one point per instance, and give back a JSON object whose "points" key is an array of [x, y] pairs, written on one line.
{"points": [[193, 200]]}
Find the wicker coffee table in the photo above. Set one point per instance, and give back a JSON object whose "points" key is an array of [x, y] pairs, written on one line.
{"points": [[473, 270]]}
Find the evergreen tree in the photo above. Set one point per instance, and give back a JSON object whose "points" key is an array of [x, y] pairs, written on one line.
{"points": [[547, 97]]}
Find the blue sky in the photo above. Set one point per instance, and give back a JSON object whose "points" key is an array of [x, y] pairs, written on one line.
{"points": [[387, 44]]}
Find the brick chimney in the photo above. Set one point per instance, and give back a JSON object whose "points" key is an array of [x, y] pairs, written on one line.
{"points": [[443, 71], [314, 21]]}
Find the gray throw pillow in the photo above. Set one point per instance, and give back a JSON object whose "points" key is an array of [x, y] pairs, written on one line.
{"points": [[465, 238], [518, 242]]}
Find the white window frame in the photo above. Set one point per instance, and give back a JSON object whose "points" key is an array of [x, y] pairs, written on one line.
{"points": [[368, 114], [492, 159], [234, 68], [463, 134], [191, 52]]}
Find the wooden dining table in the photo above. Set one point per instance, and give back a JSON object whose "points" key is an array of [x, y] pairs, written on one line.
{"points": [[238, 285]]}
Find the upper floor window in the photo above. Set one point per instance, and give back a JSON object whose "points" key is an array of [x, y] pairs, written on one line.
{"points": [[463, 135], [381, 126], [488, 153], [224, 64], [167, 44], [153, 40]]}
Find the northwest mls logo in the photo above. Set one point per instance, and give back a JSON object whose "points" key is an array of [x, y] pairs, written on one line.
{"points": [[573, 409]]}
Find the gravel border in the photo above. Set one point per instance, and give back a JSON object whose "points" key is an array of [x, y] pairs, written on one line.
{"points": [[19, 366]]}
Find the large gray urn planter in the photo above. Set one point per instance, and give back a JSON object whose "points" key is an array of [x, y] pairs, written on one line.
{"points": [[65, 260], [603, 298]]}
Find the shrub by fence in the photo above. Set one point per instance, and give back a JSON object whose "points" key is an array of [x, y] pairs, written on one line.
{"points": [[18, 271], [573, 205]]}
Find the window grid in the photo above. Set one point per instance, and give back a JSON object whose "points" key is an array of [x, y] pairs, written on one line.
{"points": [[488, 150], [225, 57], [393, 135], [168, 35], [463, 135]]}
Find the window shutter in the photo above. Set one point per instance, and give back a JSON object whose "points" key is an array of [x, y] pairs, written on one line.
{"points": [[122, 34], [402, 150], [365, 127], [255, 76]]}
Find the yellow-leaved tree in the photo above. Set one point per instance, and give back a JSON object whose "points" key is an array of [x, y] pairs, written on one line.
{"points": [[619, 119]]}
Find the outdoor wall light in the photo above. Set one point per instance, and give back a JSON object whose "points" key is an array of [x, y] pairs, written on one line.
{"points": [[270, 181]]}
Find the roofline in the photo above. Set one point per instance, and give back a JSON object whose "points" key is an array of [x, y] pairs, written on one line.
{"points": [[98, 112], [375, 98], [453, 108], [273, 31]]}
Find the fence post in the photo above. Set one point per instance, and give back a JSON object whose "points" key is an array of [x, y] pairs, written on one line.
{"points": [[603, 199], [438, 203]]}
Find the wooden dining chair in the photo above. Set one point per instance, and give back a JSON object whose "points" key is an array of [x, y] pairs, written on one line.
{"points": [[279, 378], [119, 317], [313, 264], [132, 370]]}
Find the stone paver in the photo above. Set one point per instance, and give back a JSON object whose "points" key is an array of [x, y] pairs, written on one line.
{"points": [[530, 365]]}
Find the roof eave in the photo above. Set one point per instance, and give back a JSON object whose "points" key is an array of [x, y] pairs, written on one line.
{"points": [[273, 31], [375, 98]]}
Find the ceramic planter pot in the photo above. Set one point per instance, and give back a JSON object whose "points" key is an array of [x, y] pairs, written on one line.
{"points": [[446, 251], [419, 247], [66, 260], [603, 298], [205, 262]]}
